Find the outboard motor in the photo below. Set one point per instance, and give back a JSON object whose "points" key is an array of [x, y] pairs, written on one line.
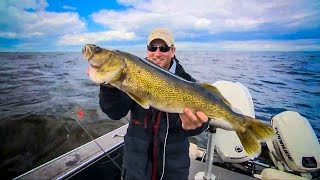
{"points": [[231, 150], [296, 147], [227, 143]]}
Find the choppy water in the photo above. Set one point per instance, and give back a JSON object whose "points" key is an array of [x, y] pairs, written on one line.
{"points": [[44, 97]]}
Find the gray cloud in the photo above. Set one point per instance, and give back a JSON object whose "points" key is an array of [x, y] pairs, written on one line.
{"points": [[212, 17], [28, 19]]}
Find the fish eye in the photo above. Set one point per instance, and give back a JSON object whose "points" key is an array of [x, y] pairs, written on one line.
{"points": [[97, 49]]}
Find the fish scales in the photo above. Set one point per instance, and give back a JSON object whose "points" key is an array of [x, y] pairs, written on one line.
{"points": [[160, 85]]}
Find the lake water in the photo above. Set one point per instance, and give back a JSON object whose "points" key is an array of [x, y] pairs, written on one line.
{"points": [[44, 97]]}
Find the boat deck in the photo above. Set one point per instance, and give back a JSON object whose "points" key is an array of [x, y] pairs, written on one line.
{"points": [[90, 161], [220, 173]]}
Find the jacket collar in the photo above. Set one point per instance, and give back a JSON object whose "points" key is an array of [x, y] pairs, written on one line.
{"points": [[173, 66]]}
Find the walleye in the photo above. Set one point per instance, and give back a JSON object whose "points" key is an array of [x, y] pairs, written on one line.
{"points": [[150, 85]]}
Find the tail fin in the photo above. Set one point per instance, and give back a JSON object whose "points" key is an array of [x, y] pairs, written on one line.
{"points": [[253, 133]]}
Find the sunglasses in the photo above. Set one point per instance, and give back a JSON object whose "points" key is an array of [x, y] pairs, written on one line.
{"points": [[164, 48]]}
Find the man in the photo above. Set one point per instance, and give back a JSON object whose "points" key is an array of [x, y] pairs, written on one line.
{"points": [[156, 145]]}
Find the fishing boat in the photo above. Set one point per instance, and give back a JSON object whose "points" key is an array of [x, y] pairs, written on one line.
{"points": [[293, 154]]}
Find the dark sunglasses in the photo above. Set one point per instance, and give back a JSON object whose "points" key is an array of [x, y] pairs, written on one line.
{"points": [[164, 48]]}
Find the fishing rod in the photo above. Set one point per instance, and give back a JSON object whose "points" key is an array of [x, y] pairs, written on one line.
{"points": [[79, 115]]}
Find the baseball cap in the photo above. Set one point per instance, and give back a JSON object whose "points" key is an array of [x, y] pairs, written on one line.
{"points": [[161, 33]]}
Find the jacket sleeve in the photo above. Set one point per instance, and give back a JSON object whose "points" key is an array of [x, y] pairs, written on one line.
{"points": [[197, 131], [115, 103]]}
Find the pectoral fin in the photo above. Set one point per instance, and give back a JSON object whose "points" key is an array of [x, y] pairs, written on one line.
{"points": [[215, 91], [142, 102]]}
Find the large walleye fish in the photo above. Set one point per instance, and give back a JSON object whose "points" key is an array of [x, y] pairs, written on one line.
{"points": [[150, 85]]}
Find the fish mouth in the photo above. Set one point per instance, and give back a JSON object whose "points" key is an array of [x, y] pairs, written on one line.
{"points": [[88, 52]]}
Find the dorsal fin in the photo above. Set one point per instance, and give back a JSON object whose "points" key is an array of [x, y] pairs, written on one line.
{"points": [[216, 92]]}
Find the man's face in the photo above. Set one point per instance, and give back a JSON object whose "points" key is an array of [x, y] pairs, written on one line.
{"points": [[162, 59]]}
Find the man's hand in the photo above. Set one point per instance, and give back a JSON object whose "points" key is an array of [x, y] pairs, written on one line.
{"points": [[192, 121]]}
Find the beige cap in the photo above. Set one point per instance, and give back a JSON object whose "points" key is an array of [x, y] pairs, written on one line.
{"points": [[161, 33]]}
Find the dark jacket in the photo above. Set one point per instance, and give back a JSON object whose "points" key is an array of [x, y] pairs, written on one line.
{"points": [[146, 134]]}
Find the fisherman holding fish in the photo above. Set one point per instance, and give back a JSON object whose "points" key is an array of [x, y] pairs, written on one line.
{"points": [[167, 106], [156, 145]]}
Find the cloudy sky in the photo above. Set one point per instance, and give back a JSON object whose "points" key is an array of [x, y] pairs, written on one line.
{"points": [[254, 25]]}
